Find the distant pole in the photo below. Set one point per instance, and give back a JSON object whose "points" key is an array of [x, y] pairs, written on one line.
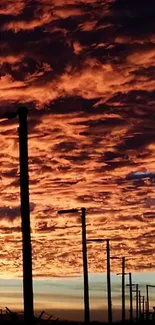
{"points": [[123, 289], [109, 284], [137, 310], [131, 302], [147, 302], [143, 304], [25, 216], [139, 304], [85, 268]]}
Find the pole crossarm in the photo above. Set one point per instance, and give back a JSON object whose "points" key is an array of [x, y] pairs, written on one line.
{"points": [[97, 239], [68, 211]]}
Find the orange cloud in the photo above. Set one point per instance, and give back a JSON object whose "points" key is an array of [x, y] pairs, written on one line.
{"points": [[88, 80]]}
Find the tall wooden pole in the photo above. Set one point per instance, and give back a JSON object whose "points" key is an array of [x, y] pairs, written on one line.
{"points": [[137, 305], [123, 289], [109, 284], [85, 268], [25, 215], [147, 302], [131, 301], [143, 304]]}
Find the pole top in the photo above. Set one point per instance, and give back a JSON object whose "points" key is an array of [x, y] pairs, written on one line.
{"points": [[22, 110]]}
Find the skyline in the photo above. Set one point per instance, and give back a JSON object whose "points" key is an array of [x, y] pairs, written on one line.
{"points": [[85, 70]]}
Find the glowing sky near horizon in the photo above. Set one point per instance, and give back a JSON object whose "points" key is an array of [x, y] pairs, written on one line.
{"points": [[63, 298], [86, 70]]}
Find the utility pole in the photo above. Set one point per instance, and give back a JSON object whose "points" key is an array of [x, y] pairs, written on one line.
{"points": [[25, 215], [109, 300], [131, 302], [25, 211], [123, 289], [139, 304], [143, 306], [85, 267], [147, 301], [137, 301], [137, 298], [109, 284]]}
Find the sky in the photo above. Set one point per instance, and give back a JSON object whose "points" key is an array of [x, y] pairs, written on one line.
{"points": [[63, 298], [85, 69]]}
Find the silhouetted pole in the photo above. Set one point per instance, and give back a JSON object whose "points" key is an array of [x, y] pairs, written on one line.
{"points": [[85, 267], [123, 289], [147, 302], [109, 284], [139, 304], [25, 215], [137, 298], [109, 300], [131, 302], [143, 305]]}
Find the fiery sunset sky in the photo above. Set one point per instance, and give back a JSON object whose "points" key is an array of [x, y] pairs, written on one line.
{"points": [[86, 71]]}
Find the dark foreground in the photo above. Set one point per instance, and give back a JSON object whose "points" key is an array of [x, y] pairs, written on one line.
{"points": [[59, 322], [13, 318]]}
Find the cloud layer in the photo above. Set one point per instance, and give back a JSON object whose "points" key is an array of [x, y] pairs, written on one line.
{"points": [[86, 71]]}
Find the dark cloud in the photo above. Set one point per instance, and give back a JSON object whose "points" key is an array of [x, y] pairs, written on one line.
{"points": [[66, 146], [12, 213], [137, 141], [8, 230]]}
